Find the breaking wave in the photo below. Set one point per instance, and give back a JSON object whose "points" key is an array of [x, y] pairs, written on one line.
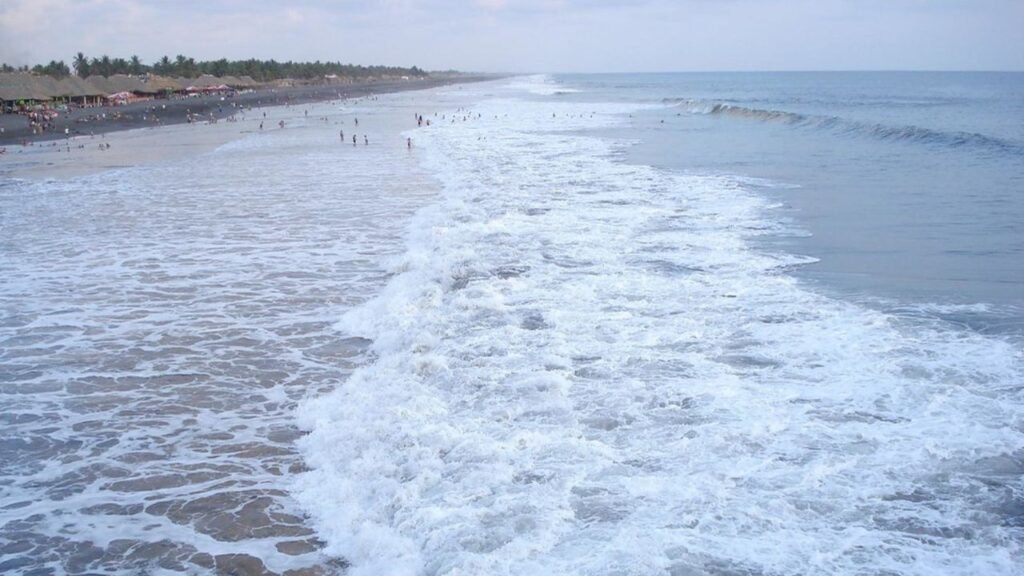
{"points": [[836, 124], [584, 367]]}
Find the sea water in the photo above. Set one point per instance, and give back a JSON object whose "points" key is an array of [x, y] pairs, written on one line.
{"points": [[159, 323], [906, 186], [592, 325], [694, 324]]}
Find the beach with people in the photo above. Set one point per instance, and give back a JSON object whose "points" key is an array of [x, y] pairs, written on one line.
{"points": [[667, 288], [232, 248], [80, 140], [431, 327]]}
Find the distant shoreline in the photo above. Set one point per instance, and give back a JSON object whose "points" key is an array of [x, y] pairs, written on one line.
{"points": [[162, 112]]}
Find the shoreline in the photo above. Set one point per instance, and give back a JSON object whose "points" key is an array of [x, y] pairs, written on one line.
{"points": [[223, 270], [16, 133]]}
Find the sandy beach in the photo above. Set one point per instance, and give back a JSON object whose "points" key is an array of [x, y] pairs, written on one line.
{"points": [[109, 137], [15, 131]]}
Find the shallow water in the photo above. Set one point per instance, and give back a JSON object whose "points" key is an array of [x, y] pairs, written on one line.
{"points": [[590, 366], [905, 184], [518, 348], [159, 324]]}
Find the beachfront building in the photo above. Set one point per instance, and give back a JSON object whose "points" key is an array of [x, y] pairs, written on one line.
{"points": [[207, 84], [22, 91], [28, 92], [76, 91], [161, 86], [120, 88]]}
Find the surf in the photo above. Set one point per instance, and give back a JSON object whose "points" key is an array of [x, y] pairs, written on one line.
{"points": [[583, 366], [841, 126]]}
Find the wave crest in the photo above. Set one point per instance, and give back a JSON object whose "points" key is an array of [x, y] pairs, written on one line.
{"points": [[906, 133]]}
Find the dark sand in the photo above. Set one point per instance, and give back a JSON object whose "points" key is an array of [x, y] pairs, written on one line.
{"points": [[86, 121]]}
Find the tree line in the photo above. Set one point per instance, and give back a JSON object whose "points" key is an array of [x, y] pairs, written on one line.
{"points": [[57, 69], [184, 66]]}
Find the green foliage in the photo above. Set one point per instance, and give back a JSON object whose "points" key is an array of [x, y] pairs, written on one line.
{"points": [[81, 64], [260, 70], [54, 68]]}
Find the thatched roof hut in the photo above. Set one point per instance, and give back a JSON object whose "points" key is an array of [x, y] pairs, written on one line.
{"points": [[158, 84], [75, 87], [47, 85], [100, 83], [203, 82], [117, 83], [124, 83], [19, 86]]}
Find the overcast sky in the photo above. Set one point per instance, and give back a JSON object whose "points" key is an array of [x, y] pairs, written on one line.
{"points": [[531, 35]]}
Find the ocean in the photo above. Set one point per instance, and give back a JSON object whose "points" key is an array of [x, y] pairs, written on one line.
{"points": [[668, 324]]}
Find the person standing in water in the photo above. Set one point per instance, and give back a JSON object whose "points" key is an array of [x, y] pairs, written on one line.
{"points": [[353, 139], [366, 140]]}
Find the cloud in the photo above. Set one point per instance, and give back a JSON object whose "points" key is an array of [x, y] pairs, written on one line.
{"points": [[527, 35], [492, 4], [294, 16]]}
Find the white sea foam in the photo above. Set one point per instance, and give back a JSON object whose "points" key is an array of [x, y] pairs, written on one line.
{"points": [[540, 85], [585, 367], [158, 324]]}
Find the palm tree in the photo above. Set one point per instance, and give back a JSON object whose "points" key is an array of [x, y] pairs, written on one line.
{"points": [[163, 66], [81, 64], [119, 66], [179, 65], [219, 68], [135, 66], [101, 66]]}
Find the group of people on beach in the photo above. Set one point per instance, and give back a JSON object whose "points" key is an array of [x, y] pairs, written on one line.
{"points": [[355, 141], [190, 116], [42, 121]]}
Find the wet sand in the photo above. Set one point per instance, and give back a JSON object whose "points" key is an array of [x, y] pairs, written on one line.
{"points": [[104, 119], [133, 134]]}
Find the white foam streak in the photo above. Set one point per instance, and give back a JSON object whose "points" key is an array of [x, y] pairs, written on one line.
{"points": [[584, 367], [159, 323], [540, 85]]}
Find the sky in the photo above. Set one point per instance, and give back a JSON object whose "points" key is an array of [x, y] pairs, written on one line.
{"points": [[531, 35]]}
